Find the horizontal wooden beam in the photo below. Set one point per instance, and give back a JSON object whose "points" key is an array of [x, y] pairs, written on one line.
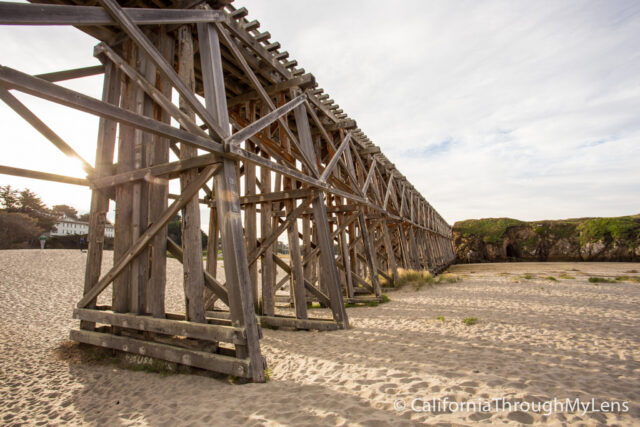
{"points": [[342, 124], [198, 359], [201, 331], [76, 73], [26, 173], [154, 171], [61, 95], [53, 14], [307, 80], [285, 321]]}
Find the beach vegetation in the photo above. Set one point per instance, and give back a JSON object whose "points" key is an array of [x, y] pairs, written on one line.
{"points": [[628, 279], [553, 279], [440, 318], [268, 372], [624, 227], [448, 278], [470, 321], [600, 280], [416, 278], [491, 230], [528, 276]]}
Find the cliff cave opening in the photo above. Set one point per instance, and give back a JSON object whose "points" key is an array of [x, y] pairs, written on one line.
{"points": [[512, 251]]}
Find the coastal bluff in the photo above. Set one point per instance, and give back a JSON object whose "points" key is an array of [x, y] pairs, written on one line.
{"points": [[580, 239]]}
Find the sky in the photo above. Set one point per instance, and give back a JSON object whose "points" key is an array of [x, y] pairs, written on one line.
{"points": [[529, 110]]}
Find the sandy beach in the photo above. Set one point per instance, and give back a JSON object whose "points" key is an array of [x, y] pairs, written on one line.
{"points": [[535, 339]]}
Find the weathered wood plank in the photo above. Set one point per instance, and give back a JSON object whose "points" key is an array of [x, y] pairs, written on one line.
{"points": [[199, 359], [105, 148], [53, 14], [159, 189], [182, 328], [191, 240], [228, 207], [26, 173]]}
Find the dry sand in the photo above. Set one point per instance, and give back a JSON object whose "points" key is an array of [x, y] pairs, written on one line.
{"points": [[535, 340]]}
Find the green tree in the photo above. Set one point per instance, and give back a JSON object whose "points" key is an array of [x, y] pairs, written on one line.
{"points": [[65, 210], [9, 198], [18, 230], [33, 206]]}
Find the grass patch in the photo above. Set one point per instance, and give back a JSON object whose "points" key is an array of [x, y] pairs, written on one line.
{"points": [[385, 299], [600, 280], [417, 278], [440, 318], [267, 374], [448, 278], [628, 279], [566, 276], [470, 321], [553, 279], [528, 276]]}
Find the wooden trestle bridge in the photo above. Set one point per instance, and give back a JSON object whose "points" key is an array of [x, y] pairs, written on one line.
{"points": [[256, 141]]}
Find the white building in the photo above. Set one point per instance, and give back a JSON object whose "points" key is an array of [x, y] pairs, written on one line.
{"points": [[67, 226]]}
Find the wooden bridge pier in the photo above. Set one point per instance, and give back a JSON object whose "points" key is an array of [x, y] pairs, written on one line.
{"points": [[254, 143]]}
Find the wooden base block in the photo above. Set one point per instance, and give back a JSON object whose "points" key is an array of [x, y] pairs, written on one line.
{"points": [[197, 359]]}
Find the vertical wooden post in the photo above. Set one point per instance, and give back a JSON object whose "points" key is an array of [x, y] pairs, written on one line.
{"points": [[346, 261], [124, 192], [391, 256], [159, 191], [99, 199], [369, 252], [268, 267], [328, 267], [143, 144], [228, 208], [213, 243], [251, 227], [191, 239], [299, 292]]}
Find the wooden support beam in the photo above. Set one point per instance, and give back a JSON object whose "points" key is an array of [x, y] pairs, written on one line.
{"points": [[239, 367], [228, 207], [53, 14], [303, 82], [166, 170], [105, 148], [183, 328], [191, 240], [159, 189], [26, 173], [41, 127], [76, 73], [136, 34], [334, 160], [58, 94], [369, 252]]}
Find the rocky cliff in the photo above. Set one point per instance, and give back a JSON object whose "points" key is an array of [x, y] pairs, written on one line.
{"points": [[582, 239]]}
